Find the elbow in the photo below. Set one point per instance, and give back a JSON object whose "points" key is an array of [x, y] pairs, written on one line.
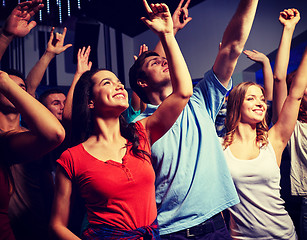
{"points": [[233, 50], [277, 78], [58, 136], [187, 93]]}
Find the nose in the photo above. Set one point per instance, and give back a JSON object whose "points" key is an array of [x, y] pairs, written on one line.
{"points": [[120, 86], [164, 62], [260, 103], [62, 106]]}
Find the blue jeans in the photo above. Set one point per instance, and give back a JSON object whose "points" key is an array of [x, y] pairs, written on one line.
{"points": [[303, 224]]}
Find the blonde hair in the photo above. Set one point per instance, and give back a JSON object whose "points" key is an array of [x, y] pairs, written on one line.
{"points": [[233, 117]]}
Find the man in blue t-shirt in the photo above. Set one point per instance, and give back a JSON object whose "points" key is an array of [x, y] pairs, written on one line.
{"points": [[193, 184]]}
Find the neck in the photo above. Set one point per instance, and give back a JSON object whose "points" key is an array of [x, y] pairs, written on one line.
{"points": [[157, 97], [107, 130], [9, 121], [245, 133]]}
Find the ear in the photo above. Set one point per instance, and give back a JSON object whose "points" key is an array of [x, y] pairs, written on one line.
{"points": [[91, 104], [142, 83]]}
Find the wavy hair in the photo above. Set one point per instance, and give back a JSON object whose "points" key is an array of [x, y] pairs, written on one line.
{"points": [[83, 119], [233, 117]]}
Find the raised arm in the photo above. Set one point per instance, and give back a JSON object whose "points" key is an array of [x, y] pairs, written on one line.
{"points": [[45, 131], [160, 122], [180, 20], [288, 18], [281, 132], [234, 39], [83, 65], [266, 69], [18, 23], [55, 46]]}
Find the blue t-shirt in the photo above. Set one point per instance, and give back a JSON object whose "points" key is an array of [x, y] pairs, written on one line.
{"points": [[193, 182]]}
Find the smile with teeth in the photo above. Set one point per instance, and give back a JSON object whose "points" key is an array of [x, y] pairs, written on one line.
{"points": [[120, 96], [258, 111]]}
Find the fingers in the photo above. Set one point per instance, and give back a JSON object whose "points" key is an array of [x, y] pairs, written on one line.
{"points": [[187, 4], [67, 46], [146, 21], [31, 25], [147, 7], [64, 33], [180, 4], [90, 65], [51, 35]]}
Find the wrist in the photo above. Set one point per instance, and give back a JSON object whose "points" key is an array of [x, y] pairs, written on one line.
{"points": [[6, 36], [49, 54], [6, 33], [176, 29], [167, 35]]}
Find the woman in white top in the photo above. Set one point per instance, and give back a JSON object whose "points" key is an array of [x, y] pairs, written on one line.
{"points": [[253, 154]]}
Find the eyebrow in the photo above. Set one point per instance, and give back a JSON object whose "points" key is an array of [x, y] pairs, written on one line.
{"points": [[253, 95], [109, 79], [153, 59]]}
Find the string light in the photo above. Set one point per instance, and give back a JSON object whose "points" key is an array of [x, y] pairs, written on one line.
{"points": [[60, 11], [3, 3], [40, 15], [79, 4], [48, 6], [68, 8]]}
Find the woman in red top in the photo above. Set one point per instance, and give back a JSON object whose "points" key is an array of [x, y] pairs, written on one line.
{"points": [[111, 164]]}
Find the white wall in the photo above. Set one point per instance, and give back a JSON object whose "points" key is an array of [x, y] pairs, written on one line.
{"points": [[199, 40]]}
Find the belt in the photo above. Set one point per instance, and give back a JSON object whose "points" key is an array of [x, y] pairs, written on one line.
{"points": [[214, 223]]}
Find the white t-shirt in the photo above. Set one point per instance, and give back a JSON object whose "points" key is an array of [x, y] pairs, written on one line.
{"points": [[260, 213], [297, 147]]}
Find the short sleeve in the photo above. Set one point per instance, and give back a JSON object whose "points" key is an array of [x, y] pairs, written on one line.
{"points": [[66, 162]]}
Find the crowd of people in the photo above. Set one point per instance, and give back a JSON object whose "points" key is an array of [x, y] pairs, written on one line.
{"points": [[173, 161]]}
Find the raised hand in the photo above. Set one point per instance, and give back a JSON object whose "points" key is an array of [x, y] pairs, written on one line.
{"points": [[181, 16], [83, 64], [56, 42], [160, 20], [289, 17], [256, 56], [143, 48], [18, 23]]}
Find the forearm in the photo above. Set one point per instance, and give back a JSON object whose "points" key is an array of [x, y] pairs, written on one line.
{"points": [[69, 100], [36, 74], [63, 233], [41, 122], [283, 54], [234, 39], [268, 79], [159, 47], [180, 76], [280, 71], [299, 83], [4, 43]]}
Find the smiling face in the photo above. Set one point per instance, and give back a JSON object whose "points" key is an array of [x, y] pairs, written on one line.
{"points": [[253, 107], [109, 93]]}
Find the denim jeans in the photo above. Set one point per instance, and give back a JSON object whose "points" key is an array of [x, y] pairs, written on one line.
{"points": [[303, 233]]}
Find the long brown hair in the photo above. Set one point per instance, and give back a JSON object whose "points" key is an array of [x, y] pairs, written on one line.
{"points": [[83, 122], [233, 117]]}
